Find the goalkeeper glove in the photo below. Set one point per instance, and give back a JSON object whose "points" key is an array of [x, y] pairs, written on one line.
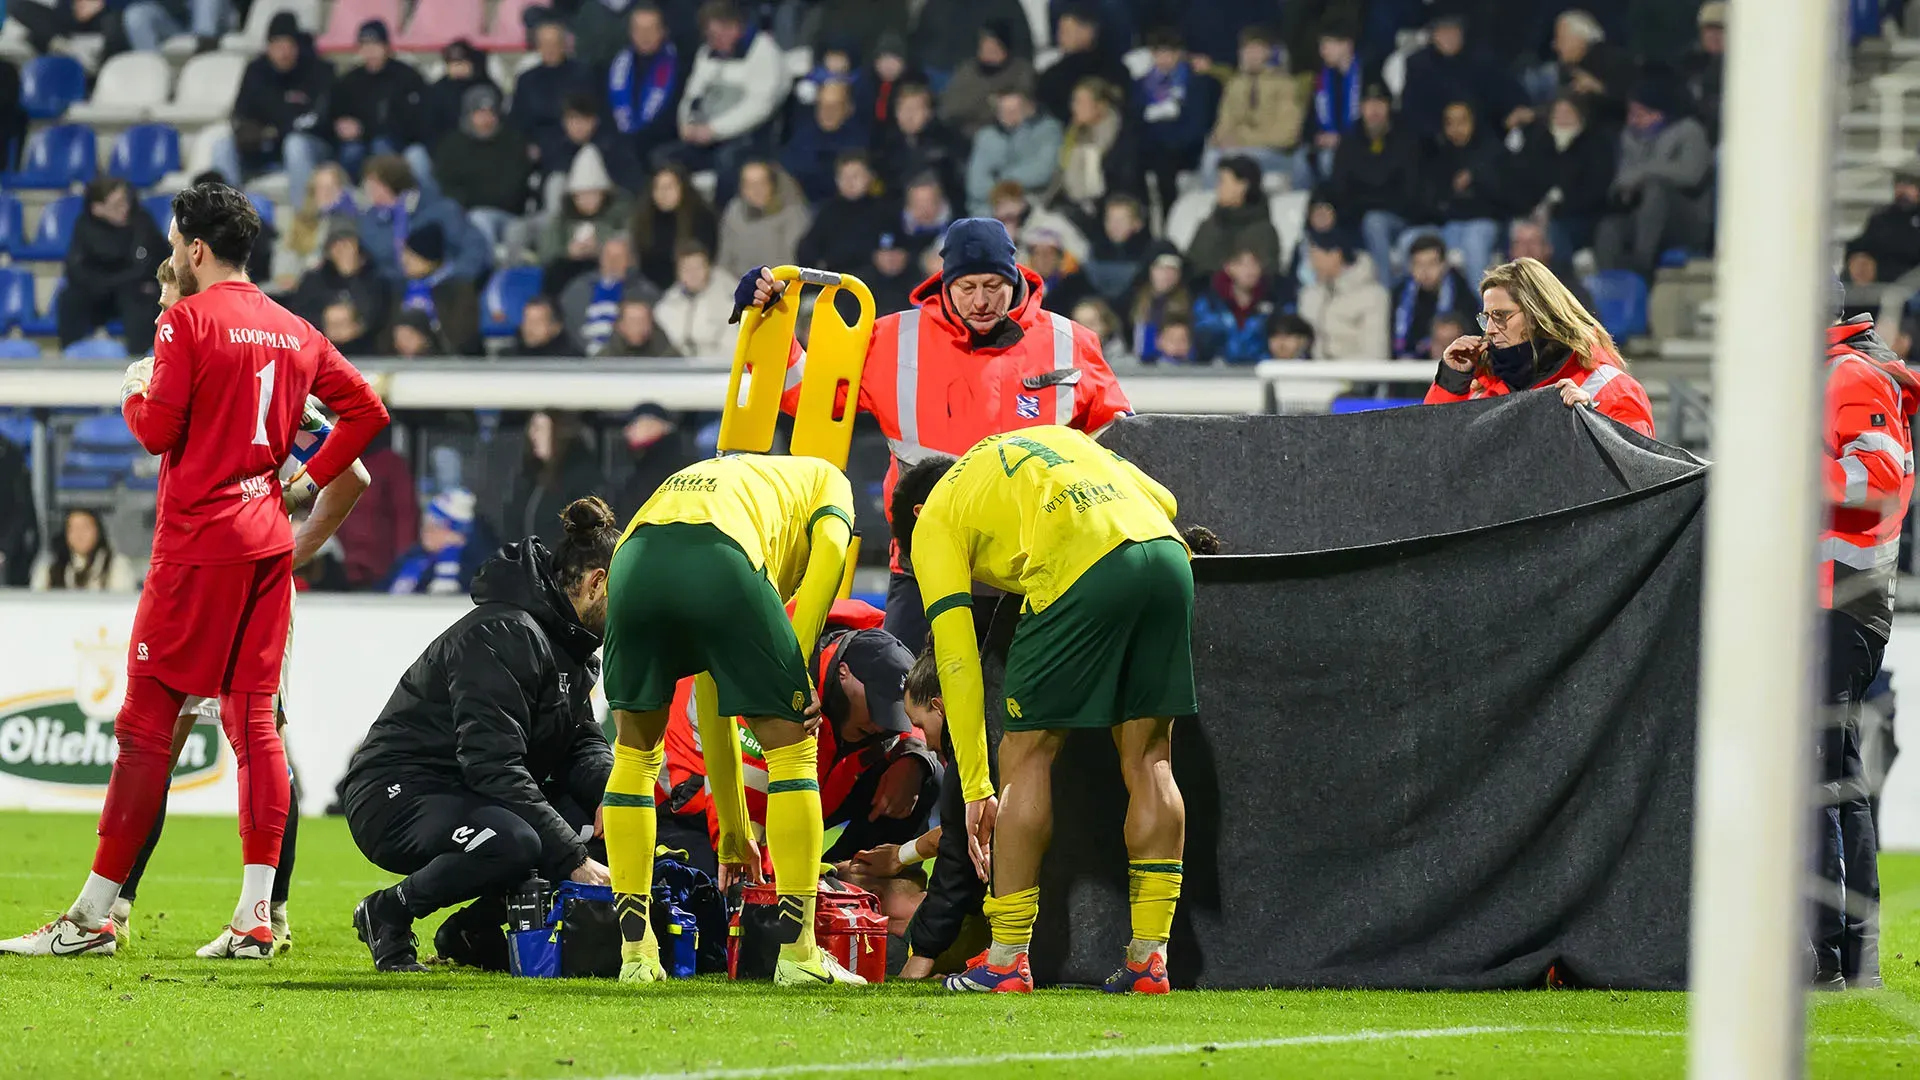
{"points": [[139, 374]]}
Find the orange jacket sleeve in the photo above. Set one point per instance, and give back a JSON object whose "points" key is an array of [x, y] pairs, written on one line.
{"points": [[1866, 463], [1625, 400]]}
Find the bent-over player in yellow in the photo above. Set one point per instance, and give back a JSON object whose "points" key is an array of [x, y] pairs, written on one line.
{"points": [[698, 585], [1105, 640]]}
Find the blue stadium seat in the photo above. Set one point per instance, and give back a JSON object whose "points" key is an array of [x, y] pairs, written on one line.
{"points": [[1620, 299], [54, 232], [48, 84], [96, 348], [16, 297], [101, 454], [262, 204], [12, 223], [1344, 405], [160, 209], [144, 153], [56, 159], [14, 348], [505, 299], [45, 325]]}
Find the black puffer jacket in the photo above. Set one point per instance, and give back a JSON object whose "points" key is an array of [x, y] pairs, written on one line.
{"points": [[498, 705]]}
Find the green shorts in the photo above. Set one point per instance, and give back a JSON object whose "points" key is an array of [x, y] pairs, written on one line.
{"points": [[1116, 646], [683, 599]]}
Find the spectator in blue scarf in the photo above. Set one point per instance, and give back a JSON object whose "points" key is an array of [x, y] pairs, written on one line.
{"points": [[1430, 289], [396, 206], [590, 303], [1175, 106], [444, 561], [449, 301], [1337, 89], [644, 83]]}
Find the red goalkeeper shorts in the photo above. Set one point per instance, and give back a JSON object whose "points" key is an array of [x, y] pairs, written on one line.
{"points": [[209, 630]]}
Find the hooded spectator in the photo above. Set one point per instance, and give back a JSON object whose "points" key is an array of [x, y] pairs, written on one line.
{"points": [[672, 214], [644, 84], [1241, 219], [1082, 56], [890, 275], [947, 32], [1375, 178], [1451, 69], [450, 302], [559, 466], [590, 305], [541, 92], [1703, 68], [925, 213], [695, 312], [831, 130], [594, 212], [1662, 193], [847, 226], [1578, 174], [1587, 66], [1430, 289], [344, 274], [1099, 155], [445, 104], [968, 102], [541, 333], [1119, 252], [889, 74], [1159, 299], [446, 558], [374, 108], [116, 249], [737, 84], [658, 446], [918, 143], [80, 558], [1230, 318], [1892, 234], [1464, 180], [635, 334], [1019, 146], [1261, 113], [1346, 305], [281, 92], [484, 166], [1177, 106], [763, 224], [396, 205]]}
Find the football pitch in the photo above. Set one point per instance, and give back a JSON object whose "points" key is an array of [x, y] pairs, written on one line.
{"points": [[322, 1011]]}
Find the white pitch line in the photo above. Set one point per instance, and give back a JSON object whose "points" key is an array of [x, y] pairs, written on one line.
{"points": [[1177, 1049]]}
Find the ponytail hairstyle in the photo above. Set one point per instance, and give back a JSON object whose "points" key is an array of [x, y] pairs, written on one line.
{"points": [[1201, 540], [588, 544]]}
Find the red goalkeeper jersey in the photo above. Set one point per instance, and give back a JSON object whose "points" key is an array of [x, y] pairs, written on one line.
{"points": [[231, 375]]}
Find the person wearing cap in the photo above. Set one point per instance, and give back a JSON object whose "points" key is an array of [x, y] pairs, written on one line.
{"points": [[968, 102], [449, 301], [657, 445], [484, 166], [373, 109], [1662, 193], [444, 561], [281, 94], [947, 32], [444, 101], [976, 354], [1703, 68], [862, 27], [1892, 233], [1346, 305], [344, 274], [890, 72]]}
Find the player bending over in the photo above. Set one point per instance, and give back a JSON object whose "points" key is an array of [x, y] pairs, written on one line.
{"points": [[230, 378], [697, 585], [1105, 640]]}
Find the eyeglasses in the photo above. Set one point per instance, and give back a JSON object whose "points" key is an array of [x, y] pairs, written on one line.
{"points": [[1490, 319]]}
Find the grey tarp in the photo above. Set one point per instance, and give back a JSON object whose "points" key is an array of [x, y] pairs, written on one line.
{"points": [[1447, 683]]}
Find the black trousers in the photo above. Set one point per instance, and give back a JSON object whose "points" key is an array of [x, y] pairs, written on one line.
{"points": [[451, 844], [1846, 932], [84, 308]]}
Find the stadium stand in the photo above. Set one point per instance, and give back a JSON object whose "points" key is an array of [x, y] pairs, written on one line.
{"points": [[508, 29], [205, 90], [252, 37], [343, 22], [53, 232], [439, 24], [130, 86], [505, 297], [49, 84], [57, 158], [144, 154]]}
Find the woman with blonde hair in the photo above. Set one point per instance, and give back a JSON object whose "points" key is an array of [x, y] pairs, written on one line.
{"points": [[1538, 335], [329, 192]]}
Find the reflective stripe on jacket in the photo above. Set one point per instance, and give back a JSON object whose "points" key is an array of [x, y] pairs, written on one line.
{"points": [[1868, 473], [1616, 394]]}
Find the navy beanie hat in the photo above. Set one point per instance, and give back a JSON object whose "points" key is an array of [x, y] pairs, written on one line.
{"points": [[977, 246]]}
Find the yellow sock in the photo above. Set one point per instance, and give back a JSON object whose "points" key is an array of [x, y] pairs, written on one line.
{"points": [[1153, 890], [795, 836], [627, 813], [1012, 917]]}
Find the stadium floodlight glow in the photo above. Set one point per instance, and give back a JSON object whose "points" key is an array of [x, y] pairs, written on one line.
{"points": [[1748, 968]]}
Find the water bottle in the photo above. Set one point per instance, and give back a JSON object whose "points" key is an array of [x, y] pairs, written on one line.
{"points": [[527, 905]]}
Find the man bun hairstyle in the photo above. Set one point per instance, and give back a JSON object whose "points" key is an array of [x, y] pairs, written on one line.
{"points": [[591, 534], [1201, 540], [910, 491], [221, 218], [923, 678]]}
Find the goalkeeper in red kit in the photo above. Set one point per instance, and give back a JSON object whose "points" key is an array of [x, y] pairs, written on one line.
{"points": [[231, 374]]}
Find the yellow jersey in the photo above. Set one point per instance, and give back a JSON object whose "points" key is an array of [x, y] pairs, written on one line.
{"points": [[1026, 512], [768, 505]]}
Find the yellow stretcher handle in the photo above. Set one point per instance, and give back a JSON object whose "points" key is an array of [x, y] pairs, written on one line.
{"points": [[836, 353]]}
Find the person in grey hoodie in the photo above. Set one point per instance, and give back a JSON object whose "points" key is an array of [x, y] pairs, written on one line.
{"points": [[1662, 194], [763, 225], [1018, 146]]}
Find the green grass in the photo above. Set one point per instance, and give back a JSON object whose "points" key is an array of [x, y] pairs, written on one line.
{"points": [[323, 1012]]}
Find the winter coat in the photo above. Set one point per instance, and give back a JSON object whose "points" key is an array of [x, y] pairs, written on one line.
{"points": [[696, 323], [1029, 155], [735, 95], [387, 103], [1581, 173], [1223, 330], [938, 149], [1892, 237], [442, 103], [812, 153], [271, 104], [1177, 110], [1435, 81], [498, 704], [967, 103], [577, 297], [1348, 314], [1376, 174], [612, 220], [947, 32], [656, 256], [468, 252], [1230, 228], [1677, 154], [369, 293], [104, 257], [476, 172], [456, 307], [1616, 394], [1097, 162], [1485, 196], [1054, 89], [845, 233], [534, 504], [750, 237], [642, 95], [1263, 110], [539, 102]]}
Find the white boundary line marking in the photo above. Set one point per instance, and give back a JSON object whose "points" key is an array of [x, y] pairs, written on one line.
{"points": [[904, 1064]]}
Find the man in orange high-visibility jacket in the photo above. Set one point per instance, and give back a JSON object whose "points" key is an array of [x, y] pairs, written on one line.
{"points": [[1871, 398], [975, 356]]}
